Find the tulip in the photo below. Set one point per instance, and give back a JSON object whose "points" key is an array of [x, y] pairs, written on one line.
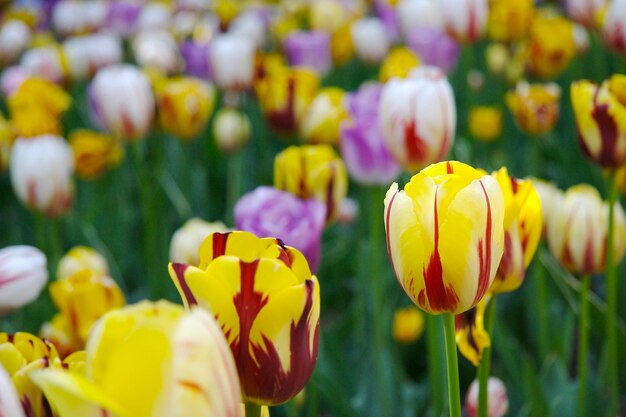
{"points": [[363, 147], [312, 171], [434, 47], [321, 121], [446, 227], [232, 58], [121, 100], [196, 57], [94, 153], [231, 130], [584, 11], [154, 16], [465, 20], [87, 54], [418, 117], [370, 40], [471, 336], [522, 230], [157, 49], [485, 123], [399, 63], [23, 275], [81, 258], [498, 400], [601, 119], [388, 15], [613, 31], [577, 232], [122, 16], [551, 45], [349, 211], [267, 303], [9, 401], [549, 195], [181, 367], [6, 141], [408, 325], [509, 20], [251, 24], [12, 78], [419, 13], [186, 240], [41, 174], [71, 17], [47, 62], [267, 212], [535, 107], [15, 37], [185, 105]]}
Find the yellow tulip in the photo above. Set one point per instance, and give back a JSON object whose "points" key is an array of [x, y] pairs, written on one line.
{"points": [[267, 303], [471, 336], [535, 107], [81, 258], [34, 121], [320, 123], [522, 230], [551, 45], [445, 236], [94, 153], [36, 92], [148, 360], [313, 171], [408, 324], [6, 140], [508, 20], [485, 123], [399, 63], [601, 119]]}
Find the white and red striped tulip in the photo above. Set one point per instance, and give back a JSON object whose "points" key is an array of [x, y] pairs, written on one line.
{"points": [[23, 275]]}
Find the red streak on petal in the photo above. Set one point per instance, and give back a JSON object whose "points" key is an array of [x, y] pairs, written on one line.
{"points": [[387, 218], [484, 254], [219, 244], [415, 145], [179, 271], [514, 184], [588, 264], [449, 168], [284, 120], [472, 29], [31, 193]]}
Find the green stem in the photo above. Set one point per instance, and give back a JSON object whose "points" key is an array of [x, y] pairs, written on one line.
{"points": [[583, 345], [434, 359], [542, 309], [611, 300], [253, 410], [292, 408], [454, 394], [233, 191], [484, 368], [55, 244]]}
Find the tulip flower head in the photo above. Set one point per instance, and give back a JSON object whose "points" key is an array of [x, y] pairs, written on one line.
{"points": [[231, 130], [408, 324], [434, 47], [81, 258], [23, 275], [399, 62], [418, 117], [471, 336], [613, 27], [549, 195], [465, 20], [186, 241], [9, 401], [509, 20], [601, 119], [94, 153], [323, 117], [370, 40], [445, 236], [535, 107], [232, 59], [584, 11], [309, 49], [157, 49], [498, 399], [267, 303], [485, 123], [551, 45]]}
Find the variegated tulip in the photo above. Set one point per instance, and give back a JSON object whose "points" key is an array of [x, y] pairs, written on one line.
{"points": [[9, 401], [535, 107], [313, 171], [267, 303], [445, 236], [614, 26], [584, 11], [232, 58], [551, 45], [185, 105], [121, 100], [418, 117], [522, 230], [469, 328], [465, 20], [498, 399], [186, 241], [509, 20], [85, 55], [81, 258], [577, 232], [47, 62], [94, 153], [549, 195], [23, 275], [601, 119], [321, 121], [181, 367], [41, 174], [157, 49]]}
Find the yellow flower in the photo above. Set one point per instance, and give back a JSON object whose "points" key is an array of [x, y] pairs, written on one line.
{"points": [[399, 63], [6, 140], [94, 153], [321, 120], [81, 258], [408, 324], [445, 236], [267, 303], [509, 20], [149, 359], [34, 121], [227, 10], [471, 336], [551, 46], [485, 123], [341, 46], [601, 119], [523, 225], [535, 107], [37, 92], [185, 105], [313, 171]]}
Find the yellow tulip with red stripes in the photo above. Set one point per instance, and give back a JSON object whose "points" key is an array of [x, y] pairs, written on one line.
{"points": [[445, 236], [267, 303], [471, 336]]}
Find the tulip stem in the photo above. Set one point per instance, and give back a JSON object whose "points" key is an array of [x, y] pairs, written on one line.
{"points": [[542, 309], [234, 185], [434, 361], [253, 410], [454, 394], [611, 300], [583, 345], [484, 369]]}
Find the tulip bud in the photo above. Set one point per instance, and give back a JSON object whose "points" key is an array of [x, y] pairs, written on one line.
{"points": [[14, 39], [71, 17], [9, 401], [465, 20], [321, 121], [418, 117], [445, 236], [485, 123], [232, 57], [408, 325], [121, 100], [41, 174], [186, 240], [23, 275], [81, 258], [156, 49], [231, 130], [370, 40], [535, 107], [551, 45], [497, 398], [12, 79], [310, 49], [613, 31]]}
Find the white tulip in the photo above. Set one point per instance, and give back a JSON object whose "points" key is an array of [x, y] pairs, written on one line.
{"points": [[370, 39], [465, 20], [157, 49], [186, 241], [15, 37], [232, 57], [614, 28], [9, 400], [498, 399], [419, 13], [23, 275]]}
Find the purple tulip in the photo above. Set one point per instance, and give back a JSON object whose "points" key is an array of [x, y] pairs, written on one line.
{"points": [[389, 16], [197, 59], [434, 47], [362, 145], [309, 49], [122, 16], [268, 212]]}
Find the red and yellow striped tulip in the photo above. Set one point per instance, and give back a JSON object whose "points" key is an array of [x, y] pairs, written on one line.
{"points": [[522, 230], [445, 236], [601, 119], [471, 336], [535, 107], [267, 302], [148, 360]]}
